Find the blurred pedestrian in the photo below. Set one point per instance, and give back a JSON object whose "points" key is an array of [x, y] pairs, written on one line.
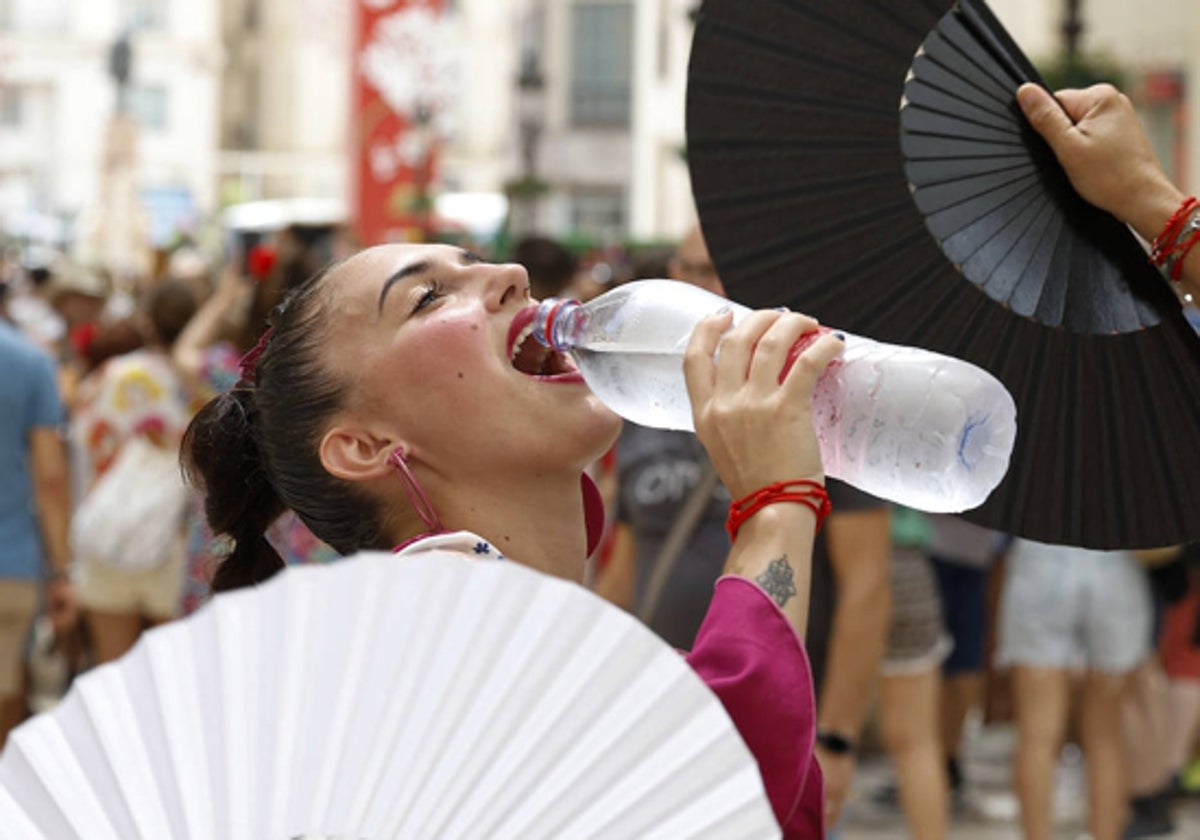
{"points": [[961, 554], [35, 507], [131, 412], [1066, 609], [910, 684], [550, 264]]}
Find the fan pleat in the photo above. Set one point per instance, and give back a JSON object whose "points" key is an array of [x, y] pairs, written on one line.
{"points": [[169, 706], [844, 235], [685, 765], [977, 17], [560, 719], [772, 125], [969, 225], [983, 188], [1003, 260], [927, 173], [922, 93], [46, 775], [718, 87], [478, 745], [961, 74], [14, 823], [933, 124], [114, 725], [966, 43], [949, 91], [347, 750], [775, 62], [613, 793]]}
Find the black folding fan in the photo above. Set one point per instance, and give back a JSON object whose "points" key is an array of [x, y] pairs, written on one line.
{"points": [[865, 161]]}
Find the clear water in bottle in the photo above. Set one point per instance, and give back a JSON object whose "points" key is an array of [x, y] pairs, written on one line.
{"points": [[921, 429]]}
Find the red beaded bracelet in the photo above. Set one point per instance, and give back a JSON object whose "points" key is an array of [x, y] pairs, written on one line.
{"points": [[1164, 245], [811, 494]]}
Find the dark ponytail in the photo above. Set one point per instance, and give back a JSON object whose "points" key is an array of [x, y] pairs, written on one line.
{"points": [[254, 450], [221, 457]]}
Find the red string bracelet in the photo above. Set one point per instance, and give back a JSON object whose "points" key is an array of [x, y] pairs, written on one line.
{"points": [[811, 494], [1164, 244]]}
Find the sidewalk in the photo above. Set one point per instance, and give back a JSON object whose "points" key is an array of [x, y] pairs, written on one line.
{"points": [[990, 811]]}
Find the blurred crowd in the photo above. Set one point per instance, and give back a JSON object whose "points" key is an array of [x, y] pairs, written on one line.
{"points": [[921, 627]]}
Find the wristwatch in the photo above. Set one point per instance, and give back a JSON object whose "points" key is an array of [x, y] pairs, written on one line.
{"points": [[836, 743]]}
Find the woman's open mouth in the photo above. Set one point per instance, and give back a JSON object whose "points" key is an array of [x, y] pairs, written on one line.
{"points": [[529, 356]]}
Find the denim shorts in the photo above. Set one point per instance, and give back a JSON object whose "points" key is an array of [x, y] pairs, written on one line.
{"points": [[1066, 607]]}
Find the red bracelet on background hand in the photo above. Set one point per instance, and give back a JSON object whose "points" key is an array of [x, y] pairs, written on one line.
{"points": [[1164, 244], [811, 494]]}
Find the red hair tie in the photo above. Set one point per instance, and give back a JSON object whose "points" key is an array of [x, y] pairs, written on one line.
{"points": [[811, 494], [248, 364]]}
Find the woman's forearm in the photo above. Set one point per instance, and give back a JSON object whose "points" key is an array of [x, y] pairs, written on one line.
{"points": [[774, 549]]}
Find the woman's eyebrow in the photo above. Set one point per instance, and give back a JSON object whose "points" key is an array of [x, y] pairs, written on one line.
{"points": [[407, 271]]}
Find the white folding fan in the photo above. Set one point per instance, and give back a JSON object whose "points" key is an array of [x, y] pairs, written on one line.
{"points": [[385, 697]]}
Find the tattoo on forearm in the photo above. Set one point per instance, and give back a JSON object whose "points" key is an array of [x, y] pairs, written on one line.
{"points": [[778, 581]]}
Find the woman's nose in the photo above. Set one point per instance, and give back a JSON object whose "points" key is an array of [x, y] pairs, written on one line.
{"points": [[507, 284]]}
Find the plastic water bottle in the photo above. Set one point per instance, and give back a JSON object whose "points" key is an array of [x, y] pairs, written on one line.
{"points": [[918, 428]]}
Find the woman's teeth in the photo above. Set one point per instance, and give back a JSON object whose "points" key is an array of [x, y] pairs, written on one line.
{"points": [[533, 359]]}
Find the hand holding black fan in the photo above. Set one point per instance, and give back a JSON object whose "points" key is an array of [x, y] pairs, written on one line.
{"points": [[866, 162]]}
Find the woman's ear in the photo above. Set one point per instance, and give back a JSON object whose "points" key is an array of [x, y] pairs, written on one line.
{"points": [[357, 454]]}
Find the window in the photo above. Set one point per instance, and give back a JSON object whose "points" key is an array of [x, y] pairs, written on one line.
{"points": [[34, 16], [601, 64], [148, 105], [144, 15], [11, 100], [599, 213]]}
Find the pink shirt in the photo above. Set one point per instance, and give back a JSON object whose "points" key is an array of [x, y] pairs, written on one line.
{"points": [[750, 656]]}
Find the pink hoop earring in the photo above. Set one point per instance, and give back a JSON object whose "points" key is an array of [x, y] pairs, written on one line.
{"points": [[416, 495]]}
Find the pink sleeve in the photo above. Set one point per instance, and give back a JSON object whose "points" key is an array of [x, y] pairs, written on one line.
{"points": [[749, 655]]}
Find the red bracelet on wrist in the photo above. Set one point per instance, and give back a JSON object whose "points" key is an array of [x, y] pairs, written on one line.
{"points": [[1164, 244], [811, 494]]}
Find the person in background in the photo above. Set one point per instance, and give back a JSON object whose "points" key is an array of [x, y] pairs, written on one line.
{"points": [[910, 682], [1064, 609], [550, 264], [1179, 650], [35, 508], [961, 554], [848, 615], [1153, 731], [134, 396]]}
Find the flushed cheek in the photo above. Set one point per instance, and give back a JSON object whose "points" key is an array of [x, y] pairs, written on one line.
{"points": [[448, 362]]}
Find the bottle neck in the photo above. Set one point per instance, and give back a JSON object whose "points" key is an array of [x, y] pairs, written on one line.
{"points": [[553, 321]]}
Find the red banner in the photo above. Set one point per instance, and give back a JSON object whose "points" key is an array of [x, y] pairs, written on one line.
{"points": [[397, 105]]}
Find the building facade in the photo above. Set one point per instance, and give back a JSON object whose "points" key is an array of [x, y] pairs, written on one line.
{"points": [[62, 163]]}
